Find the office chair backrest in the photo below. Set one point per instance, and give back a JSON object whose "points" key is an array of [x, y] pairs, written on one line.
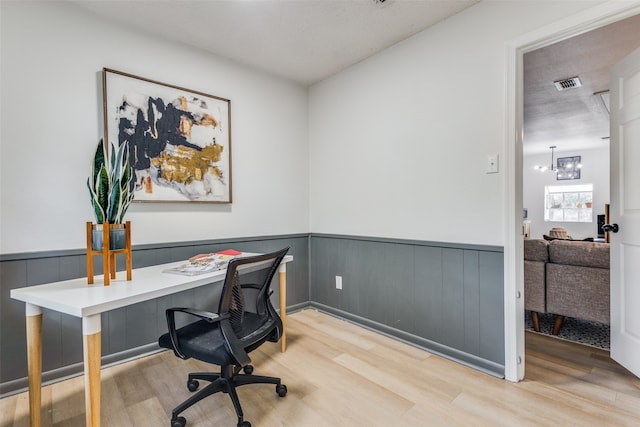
{"points": [[245, 296], [236, 305]]}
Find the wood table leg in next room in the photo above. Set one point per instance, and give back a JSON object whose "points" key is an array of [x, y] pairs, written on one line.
{"points": [[282, 275], [535, 319], [91, 334], [557, 324], [34, 361]]}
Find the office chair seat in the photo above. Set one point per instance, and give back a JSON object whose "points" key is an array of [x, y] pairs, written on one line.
{"points": [[244, 321], [204, 341]]}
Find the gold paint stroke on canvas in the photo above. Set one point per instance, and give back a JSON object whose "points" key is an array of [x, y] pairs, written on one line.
{"points": [[188, 164]]}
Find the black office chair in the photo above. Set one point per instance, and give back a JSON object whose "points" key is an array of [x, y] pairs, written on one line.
{"points": [[244, 321]]}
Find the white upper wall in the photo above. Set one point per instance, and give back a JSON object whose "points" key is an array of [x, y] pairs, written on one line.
{"points": [[595, 171], [394, 146], [51, 116], [399, 142]]}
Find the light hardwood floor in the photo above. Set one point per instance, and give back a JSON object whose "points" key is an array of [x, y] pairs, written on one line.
{"points": [[339, 374]]}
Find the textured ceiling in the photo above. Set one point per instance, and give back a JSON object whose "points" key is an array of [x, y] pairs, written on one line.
{"points": [[574, 118], [302, 40], [310, 40]]}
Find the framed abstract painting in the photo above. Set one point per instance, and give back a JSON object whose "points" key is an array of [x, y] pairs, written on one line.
{"points": [[179, 139]]}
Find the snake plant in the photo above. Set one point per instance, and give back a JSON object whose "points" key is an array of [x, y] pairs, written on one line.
{"points": [[110, 183]]}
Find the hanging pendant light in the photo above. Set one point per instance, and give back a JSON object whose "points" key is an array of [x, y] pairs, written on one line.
{"points": [[568, 167], [552, 168]]}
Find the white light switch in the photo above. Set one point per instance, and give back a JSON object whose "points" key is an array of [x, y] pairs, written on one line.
{"points": [[492, 163]]}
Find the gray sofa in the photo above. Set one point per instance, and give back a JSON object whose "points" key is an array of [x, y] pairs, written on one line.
{"points": [[566, 278]]}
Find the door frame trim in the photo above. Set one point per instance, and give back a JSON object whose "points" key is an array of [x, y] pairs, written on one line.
{"points": [[515, 49]]}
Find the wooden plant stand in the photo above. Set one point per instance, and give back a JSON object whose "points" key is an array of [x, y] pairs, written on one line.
{"points": [[108, 255]]}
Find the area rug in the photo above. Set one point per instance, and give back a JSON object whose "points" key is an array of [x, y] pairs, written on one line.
{"points": [[585, 332]]}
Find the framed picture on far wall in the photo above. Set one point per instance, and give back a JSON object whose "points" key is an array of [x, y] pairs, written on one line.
{"points": [[179, 139], [568, 168]]}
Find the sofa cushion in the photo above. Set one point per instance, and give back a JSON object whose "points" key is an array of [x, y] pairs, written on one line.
{"points": [[585, 254], [534, 286], [536, 250], [581, 292]]}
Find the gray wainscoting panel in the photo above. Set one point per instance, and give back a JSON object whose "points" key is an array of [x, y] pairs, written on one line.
{"points": [[13, 342], [128, 331], [443, 296], [492, 306]]}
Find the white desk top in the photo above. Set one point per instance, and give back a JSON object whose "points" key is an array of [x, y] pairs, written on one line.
{"points": [[77, 298]]}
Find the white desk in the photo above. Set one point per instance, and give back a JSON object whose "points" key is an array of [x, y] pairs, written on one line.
{"points": [[77, 298]]}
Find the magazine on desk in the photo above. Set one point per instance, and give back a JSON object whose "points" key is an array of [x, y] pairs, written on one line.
{"points": [[204, 263]]}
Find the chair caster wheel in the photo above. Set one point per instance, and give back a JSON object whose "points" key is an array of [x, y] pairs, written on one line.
{"points": [[193, 385], [244, 424], [178, 422], [248, 369], [281, 389]]}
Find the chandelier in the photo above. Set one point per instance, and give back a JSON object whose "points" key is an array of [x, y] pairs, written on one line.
{"points": [[567, 167]]}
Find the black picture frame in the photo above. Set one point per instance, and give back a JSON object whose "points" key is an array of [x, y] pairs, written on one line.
{"points": [[568, 168]]}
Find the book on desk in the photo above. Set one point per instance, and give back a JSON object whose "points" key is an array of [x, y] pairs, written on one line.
{"points": [[204, 263]]}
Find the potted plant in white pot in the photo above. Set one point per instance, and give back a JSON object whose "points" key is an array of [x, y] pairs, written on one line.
{"points": [[111, 192]]}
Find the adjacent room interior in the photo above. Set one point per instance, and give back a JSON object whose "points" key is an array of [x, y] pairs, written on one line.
{"points": [[566, 161]]}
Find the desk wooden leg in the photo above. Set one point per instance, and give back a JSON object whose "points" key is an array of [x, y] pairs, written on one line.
{"points": [[91, 346], [34, 361], [282, 275]]}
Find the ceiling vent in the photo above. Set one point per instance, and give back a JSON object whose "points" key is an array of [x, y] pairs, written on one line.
{"points": [[565, 84]]}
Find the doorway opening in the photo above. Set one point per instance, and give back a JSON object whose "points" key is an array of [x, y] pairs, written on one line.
{"points": [[574, 120], [577, 25]]}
